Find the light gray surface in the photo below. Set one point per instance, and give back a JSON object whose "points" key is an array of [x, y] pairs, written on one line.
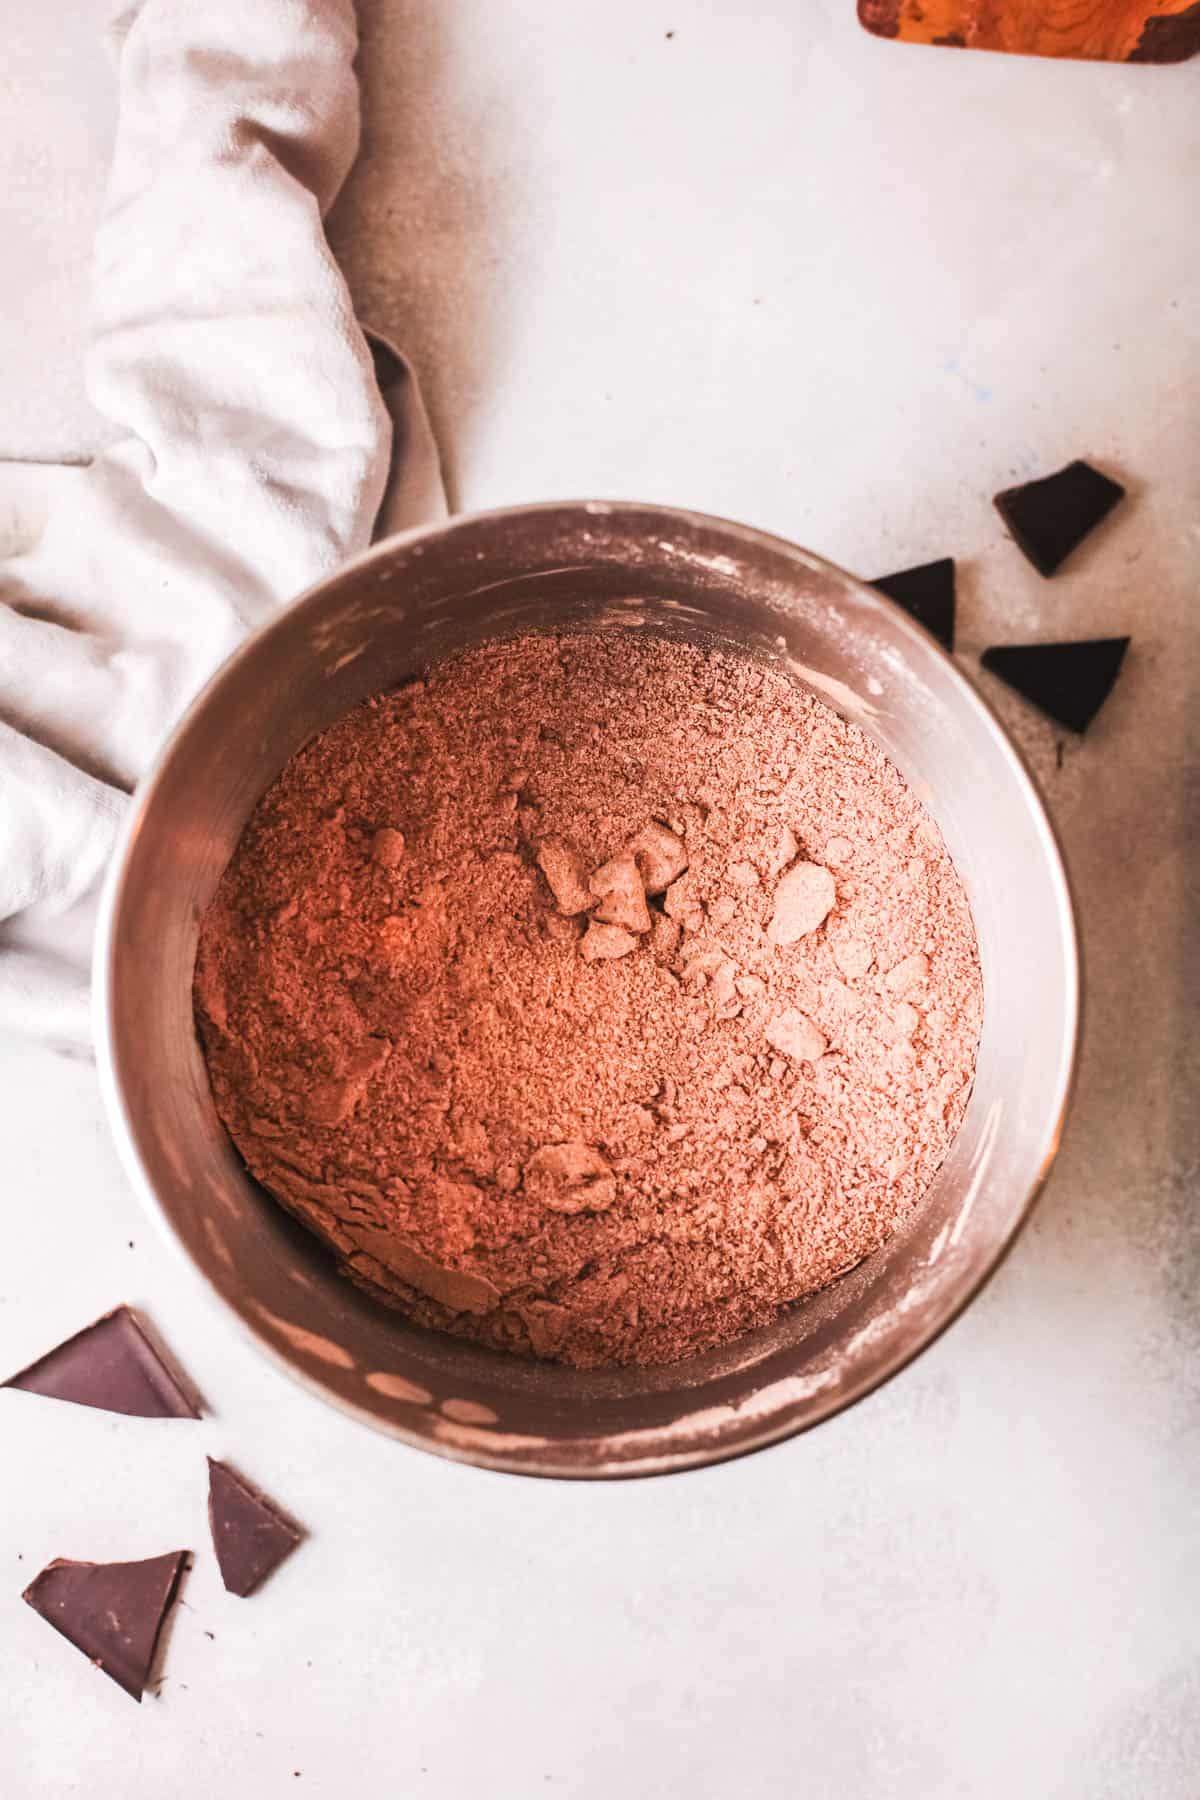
{"points": [[774, 269]]}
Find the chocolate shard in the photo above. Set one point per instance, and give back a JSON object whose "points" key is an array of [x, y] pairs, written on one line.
{"points": [[1069, 682], [114, 1366], [250, 1535], [1169, 37], [113, 1612], [1051, 517], [927, 592]]}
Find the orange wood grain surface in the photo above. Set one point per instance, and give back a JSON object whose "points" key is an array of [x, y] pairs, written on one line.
{"points": [[1101, 30]]}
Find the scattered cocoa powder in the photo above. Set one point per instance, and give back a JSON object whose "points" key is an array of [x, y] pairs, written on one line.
{"points": [[594, 998]]}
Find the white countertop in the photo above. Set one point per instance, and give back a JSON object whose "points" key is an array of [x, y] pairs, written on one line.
{"points": [[772, 268]]}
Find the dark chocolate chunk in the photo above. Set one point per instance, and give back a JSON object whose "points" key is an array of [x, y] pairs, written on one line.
{"points": [[1051, 517], [113, 1612], [1169, 37], [250, 1535], [1070, 682], [114, 1366], [927, 592]]}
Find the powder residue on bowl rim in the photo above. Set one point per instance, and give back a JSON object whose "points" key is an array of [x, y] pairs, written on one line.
{"points": [[594, 998]]}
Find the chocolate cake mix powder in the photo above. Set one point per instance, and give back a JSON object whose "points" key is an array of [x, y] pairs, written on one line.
{"points": [[594, 998]]}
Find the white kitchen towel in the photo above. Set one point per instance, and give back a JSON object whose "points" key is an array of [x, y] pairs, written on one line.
{"points": [[253, 452]]}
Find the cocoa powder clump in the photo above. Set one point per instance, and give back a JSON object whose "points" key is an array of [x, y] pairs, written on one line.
{"points": [[593, 998]]}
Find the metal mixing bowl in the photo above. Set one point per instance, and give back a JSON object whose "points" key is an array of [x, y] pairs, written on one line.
{"points": [[621, 567]]}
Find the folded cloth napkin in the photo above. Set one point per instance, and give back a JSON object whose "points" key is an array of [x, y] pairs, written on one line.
{"points": [[254, 447]]}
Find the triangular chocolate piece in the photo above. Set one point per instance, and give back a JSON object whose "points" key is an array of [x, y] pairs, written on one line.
{"points": [[1050, 517], [927, 592], [250, 1535], [114, 1366], [113, 1612], [1069, 682]]}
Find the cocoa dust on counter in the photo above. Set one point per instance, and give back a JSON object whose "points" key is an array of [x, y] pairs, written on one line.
{"points": [[593, 998]]}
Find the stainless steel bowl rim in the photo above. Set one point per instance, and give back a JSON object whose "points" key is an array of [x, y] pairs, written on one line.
{"points": [[771, 1430]]}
